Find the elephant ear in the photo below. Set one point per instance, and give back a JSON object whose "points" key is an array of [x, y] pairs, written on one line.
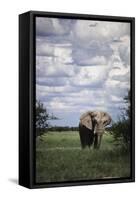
{"points": [[86, 120], [106, 118]]}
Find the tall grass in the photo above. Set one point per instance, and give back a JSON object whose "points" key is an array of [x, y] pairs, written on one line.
{"points": [[60, 158]]}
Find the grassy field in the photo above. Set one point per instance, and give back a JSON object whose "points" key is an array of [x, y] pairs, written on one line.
{"points": [[59, 157]]}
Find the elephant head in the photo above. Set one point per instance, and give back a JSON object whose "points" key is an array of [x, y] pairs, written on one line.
{"points": [[92, 126]]}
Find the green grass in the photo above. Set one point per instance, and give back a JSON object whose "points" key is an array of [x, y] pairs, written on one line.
{"points": [[59, 157]]}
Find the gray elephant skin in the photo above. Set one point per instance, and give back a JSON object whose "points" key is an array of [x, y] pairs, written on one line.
{"points": [[92, 126]]}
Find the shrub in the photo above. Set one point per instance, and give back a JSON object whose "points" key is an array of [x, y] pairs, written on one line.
{"points": [[121, 130]]}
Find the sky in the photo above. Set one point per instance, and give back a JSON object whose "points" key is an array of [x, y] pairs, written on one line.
{"points": [[81, 65]]}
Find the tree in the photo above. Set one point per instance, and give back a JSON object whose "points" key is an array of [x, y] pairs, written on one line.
{"points": [[41, 118], [127, 100], [121, 129]]}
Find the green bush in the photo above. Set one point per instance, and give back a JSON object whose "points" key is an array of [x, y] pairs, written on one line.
{"points": [[121, 133], [121, 130]]}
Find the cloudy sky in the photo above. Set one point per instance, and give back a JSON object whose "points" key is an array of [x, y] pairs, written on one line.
{"points": [[81, 65]]}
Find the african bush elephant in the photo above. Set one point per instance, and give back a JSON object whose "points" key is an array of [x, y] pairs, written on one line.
{"points": [[91, 127]]}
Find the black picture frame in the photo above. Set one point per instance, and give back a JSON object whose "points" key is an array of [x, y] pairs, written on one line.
{"points": [[27, 93]]}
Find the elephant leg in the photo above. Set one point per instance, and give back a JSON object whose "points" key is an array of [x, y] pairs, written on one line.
{"points": [[86, 136], [83, 136], [91, 139], [97, 141], [83, 142]]}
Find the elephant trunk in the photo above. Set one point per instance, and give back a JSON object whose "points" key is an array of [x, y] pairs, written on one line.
{"points": [[97, 140]]}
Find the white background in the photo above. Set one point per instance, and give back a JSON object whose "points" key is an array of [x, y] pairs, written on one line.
{"points": [[9, 11]]}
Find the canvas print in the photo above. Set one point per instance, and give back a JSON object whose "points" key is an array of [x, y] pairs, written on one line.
{"points": [[83, 100]]}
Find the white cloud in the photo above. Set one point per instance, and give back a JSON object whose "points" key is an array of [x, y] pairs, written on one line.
{"points": [[120, 71], [49, 26], [57, 104], [90, 75], [102, 31], [63, 53], [89, 69], [55, 60], [112, 83], [97, 60], [44, 49], [115, 98], [51, 89], [124, 50]]}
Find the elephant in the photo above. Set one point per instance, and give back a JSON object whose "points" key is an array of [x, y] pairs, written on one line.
{"points": [[91, 128]]}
